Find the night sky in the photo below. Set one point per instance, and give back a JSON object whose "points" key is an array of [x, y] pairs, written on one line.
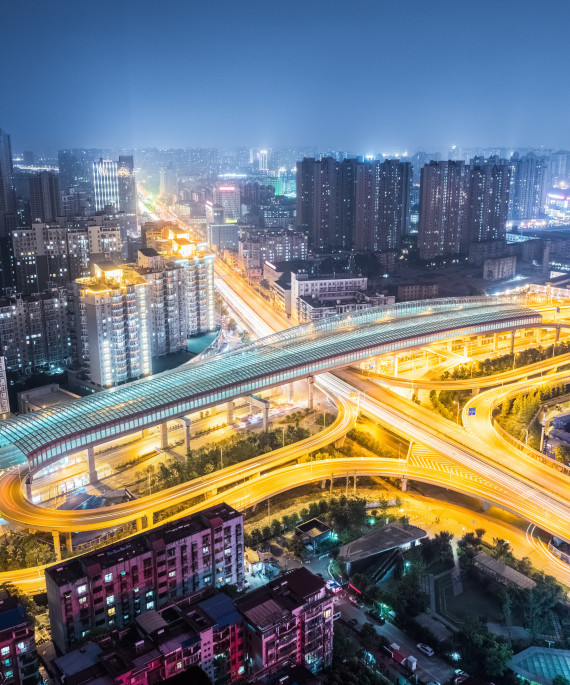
{"points": [[371, 76]]}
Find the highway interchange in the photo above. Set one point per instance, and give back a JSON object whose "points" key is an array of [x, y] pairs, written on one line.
{"points": [[472, 459]]}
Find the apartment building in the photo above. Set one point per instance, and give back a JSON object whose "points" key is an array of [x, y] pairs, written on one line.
{"points": [[258, 246], [112, 586], [204, 632], [283, 625], [288, 620], [110, 317], [18, 655], [4, 400], [34, 333], [322, 288]]}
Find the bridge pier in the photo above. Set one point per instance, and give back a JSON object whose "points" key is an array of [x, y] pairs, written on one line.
{"points": [[495, 342], [324, 484], [264, 406], [395, 365], [91, 465], [557, 333], [466, 347], [310, 383], [69, 542], [485, 505], [28, 485], [404, 484], [512, 342], [145, 433], [140, 524], [230, 410], [56, 544], [538, 334], [474, 391], [291, 392], [186, 424], [164, 436]]}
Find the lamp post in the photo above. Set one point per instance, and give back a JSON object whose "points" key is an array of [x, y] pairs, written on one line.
{"points": [[457, 416]]}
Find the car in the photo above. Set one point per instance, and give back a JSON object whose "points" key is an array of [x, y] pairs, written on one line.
{"points": [[376, 616], [459, 671], [426, 649]]}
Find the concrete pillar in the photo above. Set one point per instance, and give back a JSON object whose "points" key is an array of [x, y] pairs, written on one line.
{"points": [[512, 342], [474, 391], [28, 484], [310, 383], [323, 484], [149, 519], [91, 465], [538, 332], [395, 364], [69, 542], [404, 484], [164, 436], [145, 433], [230, 410], [56, 544], [466, 348], [264, 406], [557, 333], [354, 484], [186, 424], [291, 392], [485, 505], [495, 342], [449, 345]]}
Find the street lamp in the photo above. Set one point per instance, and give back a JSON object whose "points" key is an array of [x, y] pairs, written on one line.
{"points": [[457, 417], [515, 359], [283, 430]]}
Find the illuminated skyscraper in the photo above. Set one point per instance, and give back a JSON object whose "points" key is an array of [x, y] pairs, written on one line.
{"points": [[127, 185], [105, 184], [442, 229], [228, 197], [529, 176], [488, 200]]}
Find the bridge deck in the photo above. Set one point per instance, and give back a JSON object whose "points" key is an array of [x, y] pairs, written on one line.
{"points": [[46, 435]]}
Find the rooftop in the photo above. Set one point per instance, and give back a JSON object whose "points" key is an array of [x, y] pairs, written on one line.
{"points": [[380, 540], [107, 557], [496, 567], [541, 664]]}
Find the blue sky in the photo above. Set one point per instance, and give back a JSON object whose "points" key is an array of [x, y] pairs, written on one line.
{"points": [[366, 75]]}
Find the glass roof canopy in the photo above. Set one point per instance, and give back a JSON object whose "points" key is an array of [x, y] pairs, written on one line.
{"points": [[49, 434]]}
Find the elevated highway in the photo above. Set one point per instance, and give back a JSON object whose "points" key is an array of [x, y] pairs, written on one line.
{"points": [[46, 436]]}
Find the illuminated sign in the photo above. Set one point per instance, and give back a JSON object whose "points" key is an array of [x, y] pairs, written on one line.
{"points": [[226, 188]]}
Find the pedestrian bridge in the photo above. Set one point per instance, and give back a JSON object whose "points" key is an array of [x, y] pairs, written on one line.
{"points": [[46, 436]]}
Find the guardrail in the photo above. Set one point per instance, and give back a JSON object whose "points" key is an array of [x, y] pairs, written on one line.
{"points": [[507, 437]]}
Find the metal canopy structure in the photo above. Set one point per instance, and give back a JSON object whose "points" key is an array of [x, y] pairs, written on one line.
{"points": [[48, 435]]}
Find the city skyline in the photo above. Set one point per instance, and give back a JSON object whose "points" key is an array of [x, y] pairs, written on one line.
{"points": [[410, 75]]}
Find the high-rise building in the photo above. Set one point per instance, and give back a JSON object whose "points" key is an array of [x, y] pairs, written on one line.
{"points": [[111, 325], [256, 247], [442, 231], [4, 400], [228, 197], [19, 659], [168, 182], [382, 204], [529, 181], [105, 184], [8, 218], [29, 158], [45, 198], [34, 331], [112, 586], [127, 185], [488, 202]]}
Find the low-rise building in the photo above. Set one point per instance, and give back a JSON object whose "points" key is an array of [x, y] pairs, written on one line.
{"points": [[288, 620], [110, 587], [313, 308], [501, 267], [502, 573], [408, 292]]}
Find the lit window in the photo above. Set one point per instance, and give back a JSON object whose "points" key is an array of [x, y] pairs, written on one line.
{"points": [[110, 599], [108, 577], [6, 662], [150, 605], [149, 594], [172, 574], [111, 611], [205, 550], [5, 650], [82, 600], [328, 613], [82, 589], [9, 674]]}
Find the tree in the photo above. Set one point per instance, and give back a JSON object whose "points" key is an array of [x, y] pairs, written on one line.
{"points": [[275, 527], [502, 550], [266, 532], [560, 680], [255, 536], [369, 636]]}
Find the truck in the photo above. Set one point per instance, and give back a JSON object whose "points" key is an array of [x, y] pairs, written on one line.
{"points": [[401, 658]]}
